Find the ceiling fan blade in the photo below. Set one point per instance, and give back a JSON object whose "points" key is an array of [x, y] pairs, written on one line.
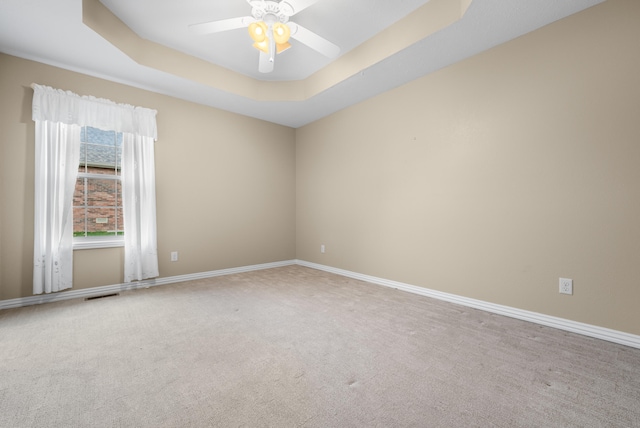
{"points": [[291, 7], [265, 65], [223, 25], [311, 39]]}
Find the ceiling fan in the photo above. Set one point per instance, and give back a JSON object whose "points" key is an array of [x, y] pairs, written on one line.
{"points": [[270, 29]]}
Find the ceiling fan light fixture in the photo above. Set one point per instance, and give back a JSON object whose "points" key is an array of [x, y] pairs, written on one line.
{"points": [[258, 31], [281, 47], [281, 33], [262, 46]]}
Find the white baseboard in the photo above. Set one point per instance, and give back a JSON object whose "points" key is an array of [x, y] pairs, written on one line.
{"points": [[115, 288], [547, 320]]}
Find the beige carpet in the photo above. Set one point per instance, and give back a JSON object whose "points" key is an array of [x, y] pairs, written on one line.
{"points": [[297, 347]]}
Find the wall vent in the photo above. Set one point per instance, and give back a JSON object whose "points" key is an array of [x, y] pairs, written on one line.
{"points": [[102, 296]]}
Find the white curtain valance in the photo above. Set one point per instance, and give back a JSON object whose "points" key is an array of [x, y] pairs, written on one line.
{"points": [[57, 105]]}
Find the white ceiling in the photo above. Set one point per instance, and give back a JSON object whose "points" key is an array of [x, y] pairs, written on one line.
{"points": [[167, 22], [52, 32]]}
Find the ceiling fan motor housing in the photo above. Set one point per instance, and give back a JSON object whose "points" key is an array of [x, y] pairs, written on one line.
{"points": [[271, 11]]}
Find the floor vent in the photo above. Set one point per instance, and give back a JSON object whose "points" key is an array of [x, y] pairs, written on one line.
{"points": [[102, 297]]}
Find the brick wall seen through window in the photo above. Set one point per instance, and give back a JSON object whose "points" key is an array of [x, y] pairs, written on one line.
{"points": [[97, 202]]}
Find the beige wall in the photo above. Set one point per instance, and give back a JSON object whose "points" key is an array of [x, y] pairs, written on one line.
{"points": [[225, 183], [494, 177]]}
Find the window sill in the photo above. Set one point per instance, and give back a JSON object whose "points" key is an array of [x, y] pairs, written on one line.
{"points": [[91, 243]]}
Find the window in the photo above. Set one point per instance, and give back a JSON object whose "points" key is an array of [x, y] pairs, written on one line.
{"points": [[89, 198], [97, 200]]}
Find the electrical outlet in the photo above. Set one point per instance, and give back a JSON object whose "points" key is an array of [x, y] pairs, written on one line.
{"points": [[174, 256], [322, 248], [566, 286]]}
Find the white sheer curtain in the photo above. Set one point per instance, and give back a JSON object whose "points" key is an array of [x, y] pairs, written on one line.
{"points": [[59, 115], [139, 206], [56, 162]]}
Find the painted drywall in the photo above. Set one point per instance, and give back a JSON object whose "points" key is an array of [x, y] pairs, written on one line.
{"points": [[492, 178], [225, 183]]}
